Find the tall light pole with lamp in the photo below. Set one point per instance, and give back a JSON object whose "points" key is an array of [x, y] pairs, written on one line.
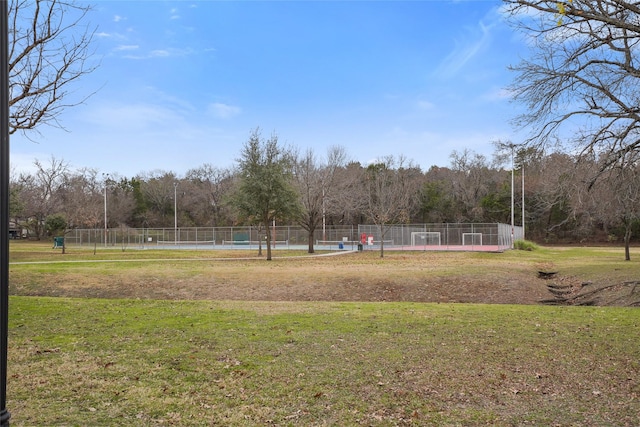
{"points": [[503, 147], [512, 198], [522, 172], [512, 147], [175, 213], [106, 230]]}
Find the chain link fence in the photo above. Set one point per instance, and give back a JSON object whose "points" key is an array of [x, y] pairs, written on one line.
{"points": [[445, 236], [468, 236]]}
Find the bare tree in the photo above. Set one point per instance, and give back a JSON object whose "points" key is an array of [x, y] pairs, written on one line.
{"points": [[81, 199], [473, 179], [41, 192], [615, 198], [627, 198], [158, 189], [583, 69], [207, 187], [316, 183], [348, 198], [120, 200], [389, 191], [49, 49], [551, 183]]}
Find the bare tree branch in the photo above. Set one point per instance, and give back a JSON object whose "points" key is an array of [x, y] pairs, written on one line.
{"points": [[582, 73], [50, 47]]}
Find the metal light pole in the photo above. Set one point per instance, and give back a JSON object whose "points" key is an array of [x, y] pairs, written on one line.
{"points": [[105, 210], [324, 222], [4, 208], [175, 213], [512, 200], [522, 171]]}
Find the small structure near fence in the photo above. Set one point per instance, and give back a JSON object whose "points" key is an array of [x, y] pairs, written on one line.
{"points": [[416, 237]]}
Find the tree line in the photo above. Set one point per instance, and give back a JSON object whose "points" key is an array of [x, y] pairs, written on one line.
{"points": [[562, 202], [580, 157]]}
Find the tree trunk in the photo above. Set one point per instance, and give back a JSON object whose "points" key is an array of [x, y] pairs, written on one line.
{"points": [[310, 237], [268, 234], [627, 239]]}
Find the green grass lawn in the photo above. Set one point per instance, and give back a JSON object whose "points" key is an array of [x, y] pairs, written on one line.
{"points": [[130, 359], [111, 362]]}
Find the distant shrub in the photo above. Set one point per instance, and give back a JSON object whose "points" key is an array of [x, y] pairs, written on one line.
{"points": [[524, 245]]}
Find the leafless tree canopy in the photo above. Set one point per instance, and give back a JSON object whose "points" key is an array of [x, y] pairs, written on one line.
{"points": [[583, 70], [317, 183], [389, 185], [49, 49]]}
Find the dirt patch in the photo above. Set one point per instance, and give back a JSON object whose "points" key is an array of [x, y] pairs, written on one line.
{"points": [[427, 277], [572, 291]]}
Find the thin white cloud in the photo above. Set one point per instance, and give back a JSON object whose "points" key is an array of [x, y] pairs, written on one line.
{"points": [[476, 40], [118, 18], [127, 47], [116, 37], [161, 53], [132, 117], [425, 105], [465, 50], [223, 111], [170, 101]]}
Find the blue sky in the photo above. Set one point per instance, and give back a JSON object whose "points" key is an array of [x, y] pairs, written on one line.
{"points": [[183, 83]]}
